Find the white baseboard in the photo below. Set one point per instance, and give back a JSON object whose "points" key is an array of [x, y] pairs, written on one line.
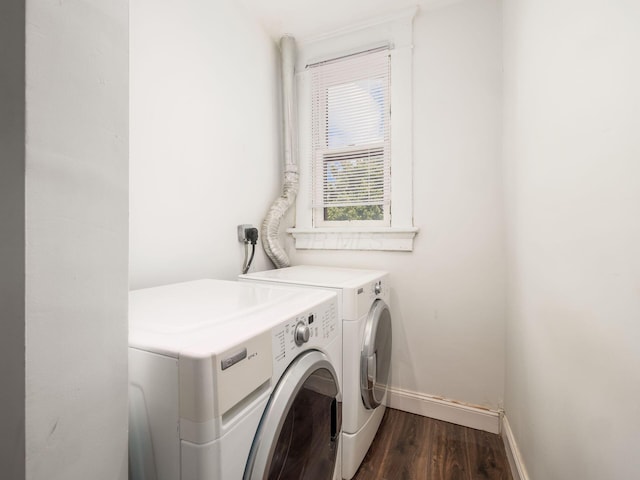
{"points": [[444, 409], [513, 453]]}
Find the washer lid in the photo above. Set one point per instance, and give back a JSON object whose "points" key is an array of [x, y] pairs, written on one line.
{"points": [[181, 307], [319, 276], [209, 316], [375, 358]]}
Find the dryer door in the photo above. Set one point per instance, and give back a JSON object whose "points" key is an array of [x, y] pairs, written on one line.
{"points": [[299, 431], [375, 358]]}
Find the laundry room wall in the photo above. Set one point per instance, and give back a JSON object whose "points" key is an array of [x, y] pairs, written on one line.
{"points": [[205, 138], [572, 117], [76, 240], [449, 293], [12, 59], [204, 102]]}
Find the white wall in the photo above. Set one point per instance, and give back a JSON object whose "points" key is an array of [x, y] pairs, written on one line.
{"points": [[204, 138], [572, 150], [448, 302], [76, 239], [203, 78], [12, 21]]}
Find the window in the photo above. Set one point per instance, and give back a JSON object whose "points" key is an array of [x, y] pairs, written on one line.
{"points": [[354, 90], [350, 111]]}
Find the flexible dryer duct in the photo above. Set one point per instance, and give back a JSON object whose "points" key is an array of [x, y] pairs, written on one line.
{"points": [[271, 225]]}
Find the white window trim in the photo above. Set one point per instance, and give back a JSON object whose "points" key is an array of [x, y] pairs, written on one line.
{"points": [[397, 32]]}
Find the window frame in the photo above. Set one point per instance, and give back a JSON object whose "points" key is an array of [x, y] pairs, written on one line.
{"points": [[395, 32]]}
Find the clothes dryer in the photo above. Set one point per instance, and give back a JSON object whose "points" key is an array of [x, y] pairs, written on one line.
{"points": [[233, 381], [363, 298]]}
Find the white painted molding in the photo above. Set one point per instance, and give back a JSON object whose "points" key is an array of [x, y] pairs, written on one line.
{"points": [[403, 14], [444, 409], [386, 239], [513, 452], [429, 5]]}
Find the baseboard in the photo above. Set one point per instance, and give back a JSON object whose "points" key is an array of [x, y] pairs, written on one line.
{"points": [[444, 409], [513, 453]]}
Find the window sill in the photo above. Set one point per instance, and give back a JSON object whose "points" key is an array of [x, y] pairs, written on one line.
{"points": [[356, 238]]}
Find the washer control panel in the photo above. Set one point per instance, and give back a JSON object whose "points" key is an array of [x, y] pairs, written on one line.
{"points": [[315, 327]]}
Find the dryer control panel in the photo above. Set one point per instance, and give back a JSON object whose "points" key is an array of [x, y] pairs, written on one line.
{"points": [[312, 329], [363, 297]]}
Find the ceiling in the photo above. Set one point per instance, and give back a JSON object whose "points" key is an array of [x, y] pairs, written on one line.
{"points": [[305, 18]]}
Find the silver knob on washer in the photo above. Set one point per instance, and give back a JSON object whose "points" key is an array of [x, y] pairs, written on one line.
{"points": [[378, 288], [301, 333]]}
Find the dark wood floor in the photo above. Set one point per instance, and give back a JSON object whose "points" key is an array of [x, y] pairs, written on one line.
{"points": [[411, 447]]}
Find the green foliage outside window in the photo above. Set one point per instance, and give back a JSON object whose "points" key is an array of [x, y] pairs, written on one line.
{"points": [[354, 177], [365, 212]]}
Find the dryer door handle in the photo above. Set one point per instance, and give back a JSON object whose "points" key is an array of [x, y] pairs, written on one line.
{"points": [[371, 369], [336, 420]]}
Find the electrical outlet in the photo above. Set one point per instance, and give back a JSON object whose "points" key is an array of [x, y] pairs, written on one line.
{"points": [[242, 232]]}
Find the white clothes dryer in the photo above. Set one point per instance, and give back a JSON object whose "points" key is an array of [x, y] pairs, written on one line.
{"points": [[363, 297], [231, 381]]}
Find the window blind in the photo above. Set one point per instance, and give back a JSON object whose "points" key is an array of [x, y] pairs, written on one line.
{"points": [[350, 130]]}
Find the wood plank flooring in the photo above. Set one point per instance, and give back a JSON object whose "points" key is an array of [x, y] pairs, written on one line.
{"points": [[412, 447]]}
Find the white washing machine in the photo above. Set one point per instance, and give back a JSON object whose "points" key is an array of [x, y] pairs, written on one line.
{"points": [[363, 296], [233, 381]]}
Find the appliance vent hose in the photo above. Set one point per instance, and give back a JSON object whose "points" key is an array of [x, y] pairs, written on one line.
{"points": [[271, 225]]}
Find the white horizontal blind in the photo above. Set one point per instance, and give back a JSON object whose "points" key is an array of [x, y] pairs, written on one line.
{"points": [[350, 131]]}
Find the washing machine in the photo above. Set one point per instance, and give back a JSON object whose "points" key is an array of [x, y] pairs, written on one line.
{"points": [[363, 298], [231, 381]]}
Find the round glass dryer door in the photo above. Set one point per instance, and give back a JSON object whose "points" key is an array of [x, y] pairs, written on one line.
{"points": [[375, 358], [298, 435]]}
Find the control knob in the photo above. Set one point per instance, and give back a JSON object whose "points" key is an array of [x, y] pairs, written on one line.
{"points": [[301, 333], [378, 288]]}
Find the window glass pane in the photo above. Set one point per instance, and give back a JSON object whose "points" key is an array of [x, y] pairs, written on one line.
{"points": [[367, 212], [351, 139], [354, 183], [356, 113]]}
